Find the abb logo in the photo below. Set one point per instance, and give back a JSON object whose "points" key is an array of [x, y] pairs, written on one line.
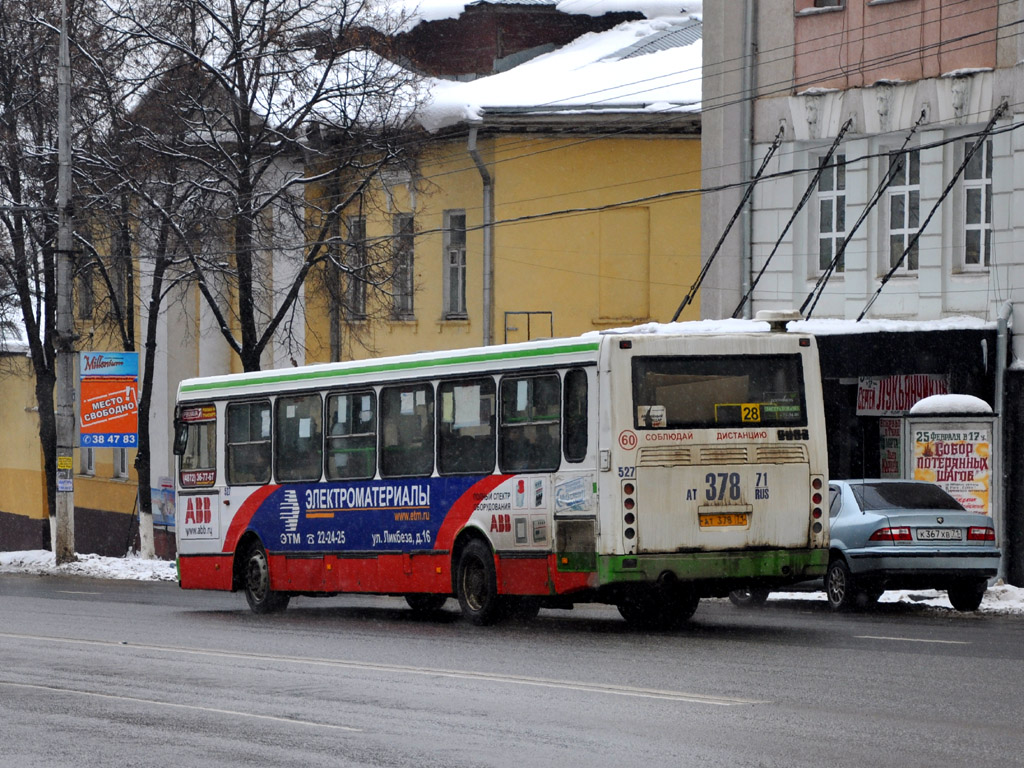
{"points": [[501, 523], [198, 510]]}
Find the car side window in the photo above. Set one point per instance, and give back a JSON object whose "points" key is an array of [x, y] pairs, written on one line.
{"points": [[833, 501]]}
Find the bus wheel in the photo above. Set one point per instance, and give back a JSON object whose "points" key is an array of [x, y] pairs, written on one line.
{"points": [[658, 609], [477, 585], [259, 595], [422, 603], [749, 597]]}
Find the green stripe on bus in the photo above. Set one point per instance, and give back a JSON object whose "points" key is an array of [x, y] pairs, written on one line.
{"points": [[281, 378]]}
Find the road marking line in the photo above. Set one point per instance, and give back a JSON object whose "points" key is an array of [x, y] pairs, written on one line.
{"points": [[70, 592], [458, 674], [911, 640], [288, 720]]}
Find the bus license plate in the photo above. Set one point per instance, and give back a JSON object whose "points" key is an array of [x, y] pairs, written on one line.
{"points": [[723, 520], [939, 534]]}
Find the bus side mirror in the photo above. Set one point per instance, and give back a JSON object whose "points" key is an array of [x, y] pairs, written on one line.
{"points": [[180, 437]]}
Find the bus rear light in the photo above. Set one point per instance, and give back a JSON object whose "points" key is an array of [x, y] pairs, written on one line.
{"points": [[629, 533], [628, 489], [892, 534], [816, 484], [981, 533], [629, 503], [816, 513], [816, 527], [629, 518], [816, 498]]}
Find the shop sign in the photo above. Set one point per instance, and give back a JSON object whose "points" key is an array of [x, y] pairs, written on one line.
{"points": [[895, 395]]}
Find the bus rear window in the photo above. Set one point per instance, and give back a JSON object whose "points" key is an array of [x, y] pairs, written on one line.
{"points": [[718, 391]]}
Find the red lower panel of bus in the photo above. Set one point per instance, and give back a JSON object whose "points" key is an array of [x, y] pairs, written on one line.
{"points": [[205, 571], [395, 574]]}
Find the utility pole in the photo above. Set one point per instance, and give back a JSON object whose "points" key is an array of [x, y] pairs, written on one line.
{"points": [[63, 527]]}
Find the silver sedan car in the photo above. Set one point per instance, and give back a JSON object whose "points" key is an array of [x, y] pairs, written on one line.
{"points": [[906, 534], [900, 534]]}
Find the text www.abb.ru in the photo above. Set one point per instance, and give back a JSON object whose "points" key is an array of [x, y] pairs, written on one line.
{"points": [[412, 515]]}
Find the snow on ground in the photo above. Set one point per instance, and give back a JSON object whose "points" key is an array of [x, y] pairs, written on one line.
{"points": [[1000, 599]]}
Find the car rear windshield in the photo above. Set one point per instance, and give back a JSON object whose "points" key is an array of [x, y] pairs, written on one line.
{"points": [[903, 496], [718, 391]]}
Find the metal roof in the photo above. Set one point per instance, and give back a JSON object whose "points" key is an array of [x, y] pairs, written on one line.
{"points": [[687, 33]]}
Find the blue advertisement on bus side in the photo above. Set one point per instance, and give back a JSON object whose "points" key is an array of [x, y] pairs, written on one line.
{"points": [[366, 516]]}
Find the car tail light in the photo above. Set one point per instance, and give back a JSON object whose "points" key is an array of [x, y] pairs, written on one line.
{"points": [[981, 533], [892, 534]]}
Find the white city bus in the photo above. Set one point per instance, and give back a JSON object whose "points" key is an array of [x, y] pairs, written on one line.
{"points": [[639, 469]]}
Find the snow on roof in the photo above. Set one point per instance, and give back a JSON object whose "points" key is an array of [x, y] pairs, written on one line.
{"points": [[833, 327], [435, 10], [946, 404], [599, 71]]}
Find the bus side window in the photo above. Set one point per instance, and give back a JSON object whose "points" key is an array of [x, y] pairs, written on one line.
{"points": [[465, 428], [298, 438], [407, 430], [248, 441], [575, 417], [352, 436], [530, 429]]}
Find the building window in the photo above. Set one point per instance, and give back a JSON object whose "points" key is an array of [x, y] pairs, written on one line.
{"points": [[87, 461], [355, 260], [904, 208], [86, 295], [455, 264], [120, 463], [978, 207], [831, 211], [402, 282]]}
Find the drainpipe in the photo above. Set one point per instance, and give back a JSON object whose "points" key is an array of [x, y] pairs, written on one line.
{"points": [[998, 510], [747, 150], [488, 238]]}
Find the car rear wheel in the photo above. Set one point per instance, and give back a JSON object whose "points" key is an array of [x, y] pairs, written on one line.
{"points": [[839, 587], [967, 595], [749, 597]]}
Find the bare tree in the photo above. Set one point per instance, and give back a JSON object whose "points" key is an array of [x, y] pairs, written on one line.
{"points": [[271, 98], [28, 179]]}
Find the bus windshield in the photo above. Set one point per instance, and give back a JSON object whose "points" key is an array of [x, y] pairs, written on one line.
{"points": [[718, 391]]}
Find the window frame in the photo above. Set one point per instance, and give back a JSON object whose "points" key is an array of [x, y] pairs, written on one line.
{"points": [[229, 444], [571, 433], [356, 259], [903, 188], [287, 465], [460, 464], [984, 156], [403, 305], [835, 196], [357, 437], [454, 266], [506, 463], [385, 463]]}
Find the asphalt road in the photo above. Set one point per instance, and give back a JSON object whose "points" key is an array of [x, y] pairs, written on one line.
{"points": [[108, 673]]}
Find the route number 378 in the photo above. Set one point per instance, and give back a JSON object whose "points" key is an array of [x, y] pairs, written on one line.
{"points": [[722, 484]]}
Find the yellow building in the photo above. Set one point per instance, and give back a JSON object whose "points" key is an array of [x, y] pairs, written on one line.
{"points": [[589, 232]]}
